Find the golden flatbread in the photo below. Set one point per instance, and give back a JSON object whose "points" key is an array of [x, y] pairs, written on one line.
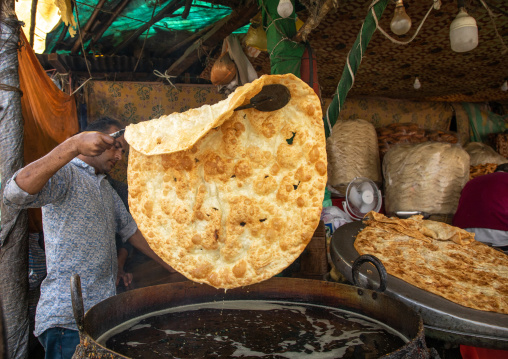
{"points": [[230, 198], [438, 258]]}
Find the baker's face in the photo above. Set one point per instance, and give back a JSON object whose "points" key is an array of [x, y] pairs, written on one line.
{"points": [[108, 159]]}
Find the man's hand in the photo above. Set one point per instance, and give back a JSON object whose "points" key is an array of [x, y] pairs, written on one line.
{"points": [[125, 277], [92, 143]]}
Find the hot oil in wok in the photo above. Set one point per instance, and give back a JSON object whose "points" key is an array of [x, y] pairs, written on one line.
{"points": [[253, 329]]}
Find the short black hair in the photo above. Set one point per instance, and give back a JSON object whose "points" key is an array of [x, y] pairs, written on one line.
{"points": [[103, 124], [502, 168]]}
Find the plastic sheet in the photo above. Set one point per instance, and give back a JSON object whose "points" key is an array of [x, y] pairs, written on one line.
{"points": [[352, 150], [425, 177]]}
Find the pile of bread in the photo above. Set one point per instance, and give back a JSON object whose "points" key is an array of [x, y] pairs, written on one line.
{"points": [[421, 170]]}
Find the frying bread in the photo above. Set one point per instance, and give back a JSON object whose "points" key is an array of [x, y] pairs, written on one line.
{"points": [[438, 258], [230, 198]]}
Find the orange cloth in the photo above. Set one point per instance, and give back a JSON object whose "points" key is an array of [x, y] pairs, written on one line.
{"points": [[49, 114], [469, 352]]}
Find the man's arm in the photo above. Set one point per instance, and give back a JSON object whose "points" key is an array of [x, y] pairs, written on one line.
{"points": [[138, 241], [33, 177]]}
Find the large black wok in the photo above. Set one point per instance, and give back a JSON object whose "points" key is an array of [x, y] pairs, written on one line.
{"points": [[126, 306]]}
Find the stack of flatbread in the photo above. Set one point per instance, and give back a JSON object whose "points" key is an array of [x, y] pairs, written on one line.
{"points": [[352, 152], [438, 258], [226, 197], [481, 153], [425, 177]]}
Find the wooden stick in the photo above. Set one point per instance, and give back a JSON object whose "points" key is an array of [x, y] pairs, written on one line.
{"points": [[84, 33], [222, 28], [112, 18], [33, 13], [168, 9]]}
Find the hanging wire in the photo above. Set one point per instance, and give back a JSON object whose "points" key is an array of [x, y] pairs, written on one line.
{"points": [[82, 50], [146, 37], [505, 49], [436, 5]]}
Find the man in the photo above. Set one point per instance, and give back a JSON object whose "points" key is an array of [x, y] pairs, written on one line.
{"points": [[483, 208], [81, 213]]}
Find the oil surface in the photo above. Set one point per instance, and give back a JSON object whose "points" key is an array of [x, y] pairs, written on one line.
{"points": [[253, 329]]}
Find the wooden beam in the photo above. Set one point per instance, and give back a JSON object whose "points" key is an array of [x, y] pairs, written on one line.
{"points": [[85, 32], [222, 28], [33, 14], [168, 9], [118, 9], [186, 41], [59, 66]]}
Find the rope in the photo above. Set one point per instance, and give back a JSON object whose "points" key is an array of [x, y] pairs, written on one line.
{"points": [[505, 49], [5, 87], [146, 37], [436, 5], [165, 76], [15, 25], [353, 60], [82, 50]]}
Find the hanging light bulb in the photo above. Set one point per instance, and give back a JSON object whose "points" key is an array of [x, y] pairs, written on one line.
{"points": [[401, 22], [285, 8], [504, 86], [463, 32], [417, 83]]}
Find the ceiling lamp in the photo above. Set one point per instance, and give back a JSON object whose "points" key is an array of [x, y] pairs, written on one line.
{"points": [[417, 84], [463, 32], [285, 8], [504, 86], [401, 22]]}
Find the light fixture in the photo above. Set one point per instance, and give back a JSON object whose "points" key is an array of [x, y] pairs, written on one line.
{"points": [[285, 8], [401, 22], [463, 31], [504, 86], [417, 84]]}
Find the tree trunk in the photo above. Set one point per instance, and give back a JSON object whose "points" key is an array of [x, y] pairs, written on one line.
{"points": [[14, 231]]}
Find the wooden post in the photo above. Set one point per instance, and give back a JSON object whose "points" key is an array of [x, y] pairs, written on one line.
{"points": [[14, 226], [33, 15]]}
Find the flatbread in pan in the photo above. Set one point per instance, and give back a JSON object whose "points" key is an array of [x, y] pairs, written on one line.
{"points": [[438, 258]]}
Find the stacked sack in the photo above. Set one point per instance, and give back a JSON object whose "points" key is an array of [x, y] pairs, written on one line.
{"points": [[352, 152], [425, 177]]}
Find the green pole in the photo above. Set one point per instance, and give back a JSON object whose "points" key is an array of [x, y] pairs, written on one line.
{"points": [[354, 59], [285, 54]]}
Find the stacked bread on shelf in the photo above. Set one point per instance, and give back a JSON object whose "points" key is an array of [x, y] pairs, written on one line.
{"points": [[425, 177], [352, 152]]}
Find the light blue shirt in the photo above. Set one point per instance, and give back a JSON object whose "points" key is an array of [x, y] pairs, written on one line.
{"points": [[81, 213]]}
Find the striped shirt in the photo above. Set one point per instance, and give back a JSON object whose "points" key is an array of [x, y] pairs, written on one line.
{"points": [[81, 213]]}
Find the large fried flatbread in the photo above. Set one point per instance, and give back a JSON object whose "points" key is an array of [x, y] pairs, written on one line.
{"points": [[241, 203], [441, 259]]}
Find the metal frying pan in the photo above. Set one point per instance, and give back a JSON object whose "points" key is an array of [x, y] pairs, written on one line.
{"points": [[270, 98], [443, 319]]}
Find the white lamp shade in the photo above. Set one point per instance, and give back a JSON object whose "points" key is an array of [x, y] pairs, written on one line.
{"points": [[463, 32]]}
